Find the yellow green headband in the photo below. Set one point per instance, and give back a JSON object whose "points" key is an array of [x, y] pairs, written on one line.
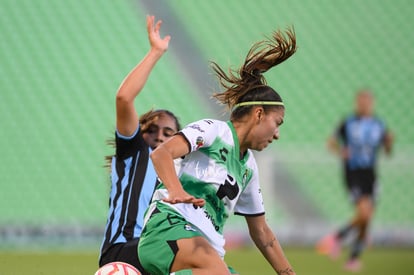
{"points": [[248, 103]]}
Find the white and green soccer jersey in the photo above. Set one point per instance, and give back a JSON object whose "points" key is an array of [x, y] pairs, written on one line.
{"points": [[215, 171]]}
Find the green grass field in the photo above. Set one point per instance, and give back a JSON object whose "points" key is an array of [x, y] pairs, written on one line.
{"points": [[247, 261]]}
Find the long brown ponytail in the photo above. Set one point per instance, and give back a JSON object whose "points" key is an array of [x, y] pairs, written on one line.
{"points": [[262, 56]]}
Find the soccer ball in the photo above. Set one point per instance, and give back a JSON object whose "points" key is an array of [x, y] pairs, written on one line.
{"points": [[117, 268]]}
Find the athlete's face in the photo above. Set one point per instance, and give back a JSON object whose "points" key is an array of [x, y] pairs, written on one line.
{"points": [[160, 131], [267, 128], [364, 103]]}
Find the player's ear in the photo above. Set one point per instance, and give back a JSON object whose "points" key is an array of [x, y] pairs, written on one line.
{"points": [[258, 113]]}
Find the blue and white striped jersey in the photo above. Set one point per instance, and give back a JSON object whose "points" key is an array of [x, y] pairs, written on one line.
{"points": [[362, 136], [133, 181]]}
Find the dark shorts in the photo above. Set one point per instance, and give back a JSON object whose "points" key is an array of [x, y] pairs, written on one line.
{"points": [[361, 183], [123, 252]]}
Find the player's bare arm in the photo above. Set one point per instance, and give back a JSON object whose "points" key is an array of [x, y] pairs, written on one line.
{"points": [[335, 147], [268, 245], [163, 157], [388, 142], [126, 116]]}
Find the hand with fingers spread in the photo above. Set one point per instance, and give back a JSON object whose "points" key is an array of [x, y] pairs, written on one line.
{"points": [[153, 28]]}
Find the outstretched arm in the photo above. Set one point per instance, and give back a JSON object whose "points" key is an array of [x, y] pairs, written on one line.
{"points": [[336, 148], [334, 145], [126, 116], [162, 158], [388, 142], [268, 244]]}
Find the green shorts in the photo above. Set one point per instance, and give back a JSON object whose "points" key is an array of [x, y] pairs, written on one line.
{"points": [[158, 243]]}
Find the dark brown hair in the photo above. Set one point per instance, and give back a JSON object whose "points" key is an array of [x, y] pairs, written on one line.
{"points": [[248, 83], [145, 120], [151, 116]]}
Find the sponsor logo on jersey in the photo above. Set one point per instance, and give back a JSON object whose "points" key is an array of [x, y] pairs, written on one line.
{"points": [[199, 141], [213, 222], [189, 228], [196, 127]]}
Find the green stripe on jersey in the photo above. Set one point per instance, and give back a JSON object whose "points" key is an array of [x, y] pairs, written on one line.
{"points": [[228, 156], [214, 206]]}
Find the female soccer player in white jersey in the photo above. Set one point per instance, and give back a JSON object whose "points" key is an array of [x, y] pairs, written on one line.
{"points": [[132, 173], [183, 232]]}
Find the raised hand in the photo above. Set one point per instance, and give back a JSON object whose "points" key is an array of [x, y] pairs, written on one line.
{"points": [[156, 42]]}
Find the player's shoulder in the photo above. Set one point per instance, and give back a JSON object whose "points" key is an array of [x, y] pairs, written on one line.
{"points": [[377, 119], [207, 124], [381, 124], [350, 118], [211, 121]]}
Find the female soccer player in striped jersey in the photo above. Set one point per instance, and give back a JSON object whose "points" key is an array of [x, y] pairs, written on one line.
{"points": [[357, 141], [132, 173], [183, 232]]}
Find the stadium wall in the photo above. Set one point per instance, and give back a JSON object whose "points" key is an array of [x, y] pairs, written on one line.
{"points": [[63, 61]]}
